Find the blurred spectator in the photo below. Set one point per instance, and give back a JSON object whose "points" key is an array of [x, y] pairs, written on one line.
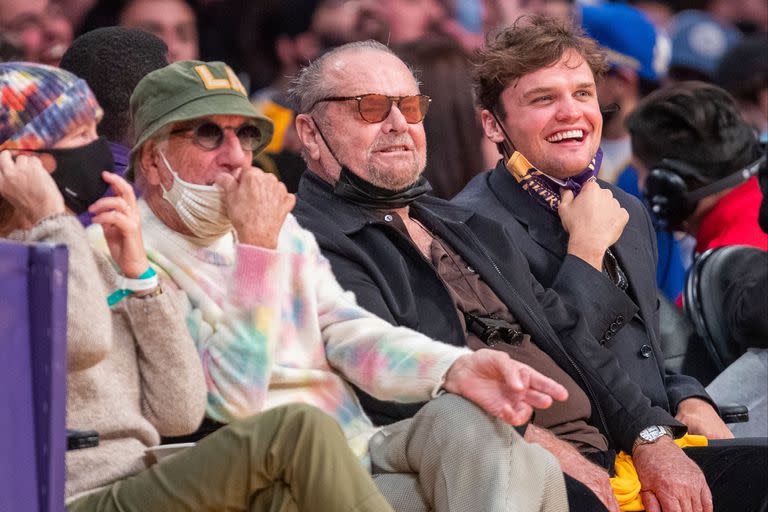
{"points": [[280, 37], [750, 16], [277, 38], [743, 72], [686, 137], [58, 34], [700, 125], [76, 10], [411, 20], [9, 51], [173, 21], [500, 13], [639, 57], [660, 12], [454, 134], [38, 27], [698, 44], [404, 21], [112, 61]]}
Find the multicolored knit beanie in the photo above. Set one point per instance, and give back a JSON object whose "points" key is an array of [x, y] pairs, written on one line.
{"points": [[40, 104]]}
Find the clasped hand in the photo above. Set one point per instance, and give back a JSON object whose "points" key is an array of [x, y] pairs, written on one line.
{"points": [[257, 204]]}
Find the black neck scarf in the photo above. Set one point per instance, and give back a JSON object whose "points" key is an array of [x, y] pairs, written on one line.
{"points": [[356, 190]]}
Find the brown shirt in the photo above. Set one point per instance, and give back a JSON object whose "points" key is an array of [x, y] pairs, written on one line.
{"points": [[567, 420]]}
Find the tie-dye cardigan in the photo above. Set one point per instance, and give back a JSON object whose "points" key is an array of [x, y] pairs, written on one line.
{"points": [[274, 327]]}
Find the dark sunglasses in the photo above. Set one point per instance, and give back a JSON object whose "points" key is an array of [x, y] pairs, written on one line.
{"points": [[374, 108], [209, 135]]}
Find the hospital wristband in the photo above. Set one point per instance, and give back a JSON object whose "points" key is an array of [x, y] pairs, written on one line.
{"points": [[127, 286]]}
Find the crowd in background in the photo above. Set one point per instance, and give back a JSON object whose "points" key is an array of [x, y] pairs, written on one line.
{"points": [[683, 104], [654, 43]]}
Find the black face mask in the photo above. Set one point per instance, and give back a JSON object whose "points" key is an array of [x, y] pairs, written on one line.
{"points": [[355, 189], [78, 173]]}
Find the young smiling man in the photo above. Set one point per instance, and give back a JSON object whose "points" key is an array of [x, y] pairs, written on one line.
{"points": [[536, 85]]}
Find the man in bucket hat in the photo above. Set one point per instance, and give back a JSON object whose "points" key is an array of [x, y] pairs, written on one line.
{"points": [[274, 327]]}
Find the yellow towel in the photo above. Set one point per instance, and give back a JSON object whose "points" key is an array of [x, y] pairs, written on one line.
{"points": [[626, 484]]}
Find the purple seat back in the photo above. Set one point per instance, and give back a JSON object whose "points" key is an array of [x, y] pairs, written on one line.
{"points": [[33, 322]]}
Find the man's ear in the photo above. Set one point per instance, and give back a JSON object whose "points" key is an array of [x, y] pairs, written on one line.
{"points": [[308, 135], [491, 127], [149, 160]]}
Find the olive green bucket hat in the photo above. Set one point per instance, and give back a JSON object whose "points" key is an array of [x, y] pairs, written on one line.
{"points": [[187, 90]]}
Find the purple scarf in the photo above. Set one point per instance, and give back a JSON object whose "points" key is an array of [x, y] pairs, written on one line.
{"points": [[543, 188]]}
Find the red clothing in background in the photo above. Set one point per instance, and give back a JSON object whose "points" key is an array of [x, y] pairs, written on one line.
{"points": [[733, 220]]}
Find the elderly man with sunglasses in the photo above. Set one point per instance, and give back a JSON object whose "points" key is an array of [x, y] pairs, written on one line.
{"points": [[274, 327]]}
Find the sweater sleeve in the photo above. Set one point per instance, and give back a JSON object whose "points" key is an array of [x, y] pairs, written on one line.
{"points": [[172, 384], [89, 324], [237, 351], [387, 362]]}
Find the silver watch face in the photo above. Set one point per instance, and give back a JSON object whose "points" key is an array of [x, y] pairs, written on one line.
{"points": [[651, 434]]}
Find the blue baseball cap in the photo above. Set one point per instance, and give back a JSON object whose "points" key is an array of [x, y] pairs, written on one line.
{"points": [[629, 39], [699, 42]]}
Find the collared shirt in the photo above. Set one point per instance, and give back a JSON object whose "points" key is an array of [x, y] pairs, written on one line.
{"points": [[567, 420]]}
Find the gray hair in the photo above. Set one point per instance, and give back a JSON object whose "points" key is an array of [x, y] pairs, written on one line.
{"points": [[309, 85]]}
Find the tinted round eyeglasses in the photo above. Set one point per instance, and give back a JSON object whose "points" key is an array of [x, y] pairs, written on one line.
{"points": [[374, 108], [209, 135]]}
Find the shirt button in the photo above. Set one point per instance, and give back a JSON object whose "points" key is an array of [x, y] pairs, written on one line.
{"points": [[388, 218], [646, 351], [470, 270]]}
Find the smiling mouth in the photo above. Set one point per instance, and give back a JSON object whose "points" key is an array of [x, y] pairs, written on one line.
{"points": [[566, 136], [394, 149]]}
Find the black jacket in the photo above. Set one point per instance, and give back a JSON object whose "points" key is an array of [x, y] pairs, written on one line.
{"points": [[392, 279], [633, 335]]}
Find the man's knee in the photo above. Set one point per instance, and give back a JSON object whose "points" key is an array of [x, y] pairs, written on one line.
{"points": [[291, 418], [451, 412]]}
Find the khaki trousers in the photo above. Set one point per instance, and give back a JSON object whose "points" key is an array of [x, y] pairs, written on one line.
{"points": [[292, 458], [453, 457]]}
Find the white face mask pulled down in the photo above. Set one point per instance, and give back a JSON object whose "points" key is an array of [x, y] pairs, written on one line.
{"points": [[200, 207]]}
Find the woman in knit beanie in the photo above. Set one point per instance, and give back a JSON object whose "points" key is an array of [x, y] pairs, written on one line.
{"points": [[133, 371], [52, 165], [48, 118]]}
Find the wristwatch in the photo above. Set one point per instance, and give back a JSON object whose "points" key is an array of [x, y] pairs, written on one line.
{"points": [[651, 434]]}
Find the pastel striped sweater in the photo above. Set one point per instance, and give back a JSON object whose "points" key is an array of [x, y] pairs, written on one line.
{"points": [[274, 327]]}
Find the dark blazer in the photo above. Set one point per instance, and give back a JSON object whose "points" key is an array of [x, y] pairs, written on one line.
{"points": [[391, 278], [632, 336]]}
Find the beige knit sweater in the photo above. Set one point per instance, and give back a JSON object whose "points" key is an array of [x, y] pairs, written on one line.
{"points": [[133, 373]]}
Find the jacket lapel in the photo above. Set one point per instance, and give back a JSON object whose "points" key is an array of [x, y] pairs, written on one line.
{"points": [[631, 252], [542, 225]]}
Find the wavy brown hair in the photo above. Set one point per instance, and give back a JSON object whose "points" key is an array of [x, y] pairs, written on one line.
{"points": [[531, 43]]}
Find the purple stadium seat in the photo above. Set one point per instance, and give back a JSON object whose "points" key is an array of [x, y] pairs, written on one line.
{"points": [[33, 316]]}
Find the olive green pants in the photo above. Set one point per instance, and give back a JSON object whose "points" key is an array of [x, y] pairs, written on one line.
{"points": [[292, 458]]}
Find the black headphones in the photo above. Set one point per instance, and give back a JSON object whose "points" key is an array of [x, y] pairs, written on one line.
{"points": [[667, 195]]}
